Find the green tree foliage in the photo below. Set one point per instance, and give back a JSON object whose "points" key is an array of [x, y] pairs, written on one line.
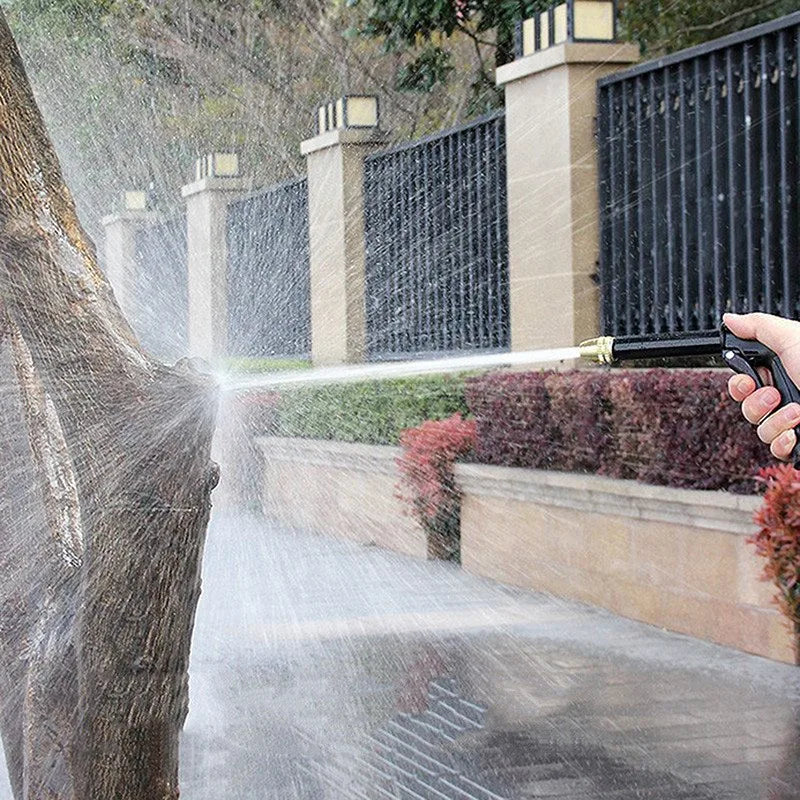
{"points": [[424, 31], [664, 26]]}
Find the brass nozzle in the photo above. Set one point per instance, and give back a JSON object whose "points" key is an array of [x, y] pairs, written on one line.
{"points": [[599, 349]]}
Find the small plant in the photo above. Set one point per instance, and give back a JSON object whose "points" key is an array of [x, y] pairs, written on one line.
{"points": [[258, 411], [778, 537], [372, 412], [427, 483]]}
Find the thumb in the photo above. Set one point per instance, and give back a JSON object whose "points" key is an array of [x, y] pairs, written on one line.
{"points": [[776, 333]]}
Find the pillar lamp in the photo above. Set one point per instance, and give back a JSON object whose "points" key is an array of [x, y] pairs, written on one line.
{"points": [[217, 165], [350, 111], [572, 21]]}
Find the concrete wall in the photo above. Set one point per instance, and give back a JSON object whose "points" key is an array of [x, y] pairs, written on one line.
{"points": [[339, 489], [674, 558]]}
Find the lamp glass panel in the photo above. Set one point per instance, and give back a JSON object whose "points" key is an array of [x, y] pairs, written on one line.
{"points": [[339, 120], [362, 112], [544, 31], [528, 36], [321, 119], [226, 165], [560, 21], [135, 201], [594, 19]]}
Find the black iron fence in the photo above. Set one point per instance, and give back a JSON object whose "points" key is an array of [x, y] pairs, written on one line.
{"points": [[268, 273], [159, 302], [437, 243], [699, 157]]}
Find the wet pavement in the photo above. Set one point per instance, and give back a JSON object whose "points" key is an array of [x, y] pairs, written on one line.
{"points": [[325, 669]]}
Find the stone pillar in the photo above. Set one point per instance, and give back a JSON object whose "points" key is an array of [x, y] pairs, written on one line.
{"points": [[120, 247], [217, 183], [552, 190], [335, 161]]}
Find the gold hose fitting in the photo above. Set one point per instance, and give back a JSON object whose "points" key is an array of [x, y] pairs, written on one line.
{"points": [[599, 349]]}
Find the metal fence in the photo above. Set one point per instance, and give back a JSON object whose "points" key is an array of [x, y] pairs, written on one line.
{"points": [[437, 243], [699, 181], [160, 304], [268, 273]]}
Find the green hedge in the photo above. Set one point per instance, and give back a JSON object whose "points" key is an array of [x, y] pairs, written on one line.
{"points": [[374, 412], [250, 366]]}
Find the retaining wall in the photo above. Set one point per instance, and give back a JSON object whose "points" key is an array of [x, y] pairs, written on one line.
{"points": [[675, 558], [338, 488]]}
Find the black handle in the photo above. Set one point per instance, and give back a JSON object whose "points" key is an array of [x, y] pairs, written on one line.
{"points": [[746, 357], [789, 394]]}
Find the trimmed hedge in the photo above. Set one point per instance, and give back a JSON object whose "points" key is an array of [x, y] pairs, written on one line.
{"points": [[373, 412], [676, 428]]}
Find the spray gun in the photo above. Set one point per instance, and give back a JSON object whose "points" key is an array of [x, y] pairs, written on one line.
{"points": [[741, 355]]}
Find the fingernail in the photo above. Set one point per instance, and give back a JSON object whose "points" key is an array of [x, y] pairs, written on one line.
{"points": [[786, 439]]}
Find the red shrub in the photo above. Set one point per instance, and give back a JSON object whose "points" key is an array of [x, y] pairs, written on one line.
{"points": [[778, 538], [580, 410], [427, 482], [677, 428], [512, 411], [680, 428]]}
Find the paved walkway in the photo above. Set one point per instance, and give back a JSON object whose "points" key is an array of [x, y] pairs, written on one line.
{"points": [[323, 669]]}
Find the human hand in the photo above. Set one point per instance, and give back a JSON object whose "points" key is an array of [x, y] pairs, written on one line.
{"points": [[783, 337]]}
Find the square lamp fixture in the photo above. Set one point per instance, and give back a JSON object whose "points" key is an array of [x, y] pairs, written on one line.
{"points": [[217, 165], [135, 200], [350, 111], [573, 21]]}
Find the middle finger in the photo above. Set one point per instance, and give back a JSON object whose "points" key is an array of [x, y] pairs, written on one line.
{"points": [[760, 403]]}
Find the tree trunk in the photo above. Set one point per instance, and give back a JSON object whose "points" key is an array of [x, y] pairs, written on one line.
{"points": [[122, 450]]}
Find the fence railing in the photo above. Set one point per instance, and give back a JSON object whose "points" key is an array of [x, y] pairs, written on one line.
{"points": [[160, 305], [437, 243], [699, 157], [269, 273]]}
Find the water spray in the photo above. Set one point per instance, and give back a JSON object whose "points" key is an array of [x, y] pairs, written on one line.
{"points": [[743, 356]]}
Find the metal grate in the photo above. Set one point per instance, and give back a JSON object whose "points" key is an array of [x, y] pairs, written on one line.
{"points": [[268, 273], [699, 180], [437, 243], [159, 314]]}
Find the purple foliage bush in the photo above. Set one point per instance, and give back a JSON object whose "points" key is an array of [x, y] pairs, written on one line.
{"points": [[512, 410], [580, 410], [676, 428]]}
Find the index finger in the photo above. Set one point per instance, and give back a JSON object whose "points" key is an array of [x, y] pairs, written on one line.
{"points": [[766, 328], [741, 387]]}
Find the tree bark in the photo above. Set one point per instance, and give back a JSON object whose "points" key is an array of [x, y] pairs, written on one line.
{"points": [[127, 441]]}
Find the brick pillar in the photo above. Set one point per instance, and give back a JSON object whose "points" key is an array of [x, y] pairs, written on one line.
{"points": [[217, 183], [335, 161], [552, 190], [120, 247]]}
